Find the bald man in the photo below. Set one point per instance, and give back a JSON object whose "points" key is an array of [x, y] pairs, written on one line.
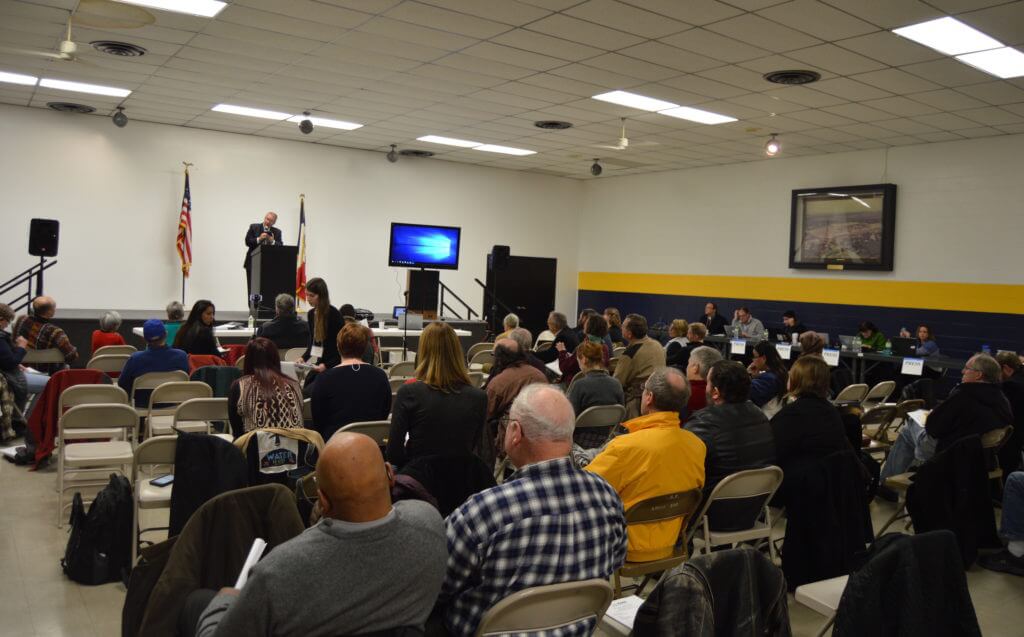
{"points": [[40, 333], [549, 523], [367, 566]]}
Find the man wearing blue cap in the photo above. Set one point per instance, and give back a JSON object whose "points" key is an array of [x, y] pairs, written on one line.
{"points": [[157, 357]]}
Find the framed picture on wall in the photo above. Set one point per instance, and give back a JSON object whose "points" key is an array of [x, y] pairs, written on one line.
{"points": [[843, 228]]}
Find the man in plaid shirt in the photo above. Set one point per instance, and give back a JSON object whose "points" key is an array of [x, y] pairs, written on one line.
{"points": [[550, 523], [42, 334]]}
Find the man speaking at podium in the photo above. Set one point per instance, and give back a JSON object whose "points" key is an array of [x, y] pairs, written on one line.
{"points": [[259, 234]]}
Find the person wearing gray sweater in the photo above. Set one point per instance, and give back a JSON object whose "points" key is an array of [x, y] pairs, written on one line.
{"points": [[367, 566]]}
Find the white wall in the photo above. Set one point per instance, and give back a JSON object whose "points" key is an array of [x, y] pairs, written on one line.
{"points": [[117, 193], [958, 213]]}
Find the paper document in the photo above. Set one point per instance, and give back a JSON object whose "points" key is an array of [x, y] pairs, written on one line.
{"points": [[553, 366], [255, 553], [623, 610], [11, 452], [919, 416]]}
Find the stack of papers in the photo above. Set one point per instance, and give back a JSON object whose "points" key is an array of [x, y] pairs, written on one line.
{"points": [[624, 609]]}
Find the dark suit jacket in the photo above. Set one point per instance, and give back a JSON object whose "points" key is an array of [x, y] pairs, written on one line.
{"points": [[715, 325], [252, 238], [566, 336]]}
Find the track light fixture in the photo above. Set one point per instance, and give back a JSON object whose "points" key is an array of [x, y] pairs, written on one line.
{"points": [[773, 146], [596, 169], [392, 154], [119, 118], [306, 126]]}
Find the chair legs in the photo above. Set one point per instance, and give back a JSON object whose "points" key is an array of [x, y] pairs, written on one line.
{"points": [[900, 512]]}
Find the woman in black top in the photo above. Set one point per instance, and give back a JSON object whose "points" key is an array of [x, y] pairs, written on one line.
{"points": [[442, 413], [324, 324], [195, 336], [611, 315], [352, 391]]}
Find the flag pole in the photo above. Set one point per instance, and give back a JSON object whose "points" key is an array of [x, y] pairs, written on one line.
{"points": [[183, 277]]}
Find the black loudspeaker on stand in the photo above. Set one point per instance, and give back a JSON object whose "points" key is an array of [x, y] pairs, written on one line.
{"points": [[499, 259], [43, 240]]}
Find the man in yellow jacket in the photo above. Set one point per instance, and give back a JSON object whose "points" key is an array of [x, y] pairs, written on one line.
{"points": [[655, 458]]}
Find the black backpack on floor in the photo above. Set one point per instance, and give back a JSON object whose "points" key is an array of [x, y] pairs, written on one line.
{"points": [[99, 548]]}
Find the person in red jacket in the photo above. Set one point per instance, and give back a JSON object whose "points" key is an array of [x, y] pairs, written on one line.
{"points": [[110, 322]]}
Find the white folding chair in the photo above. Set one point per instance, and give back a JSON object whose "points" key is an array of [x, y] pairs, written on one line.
{"points": [[547, 608], [293, 354], [854, 393], [376, 429], [746, 494], [476, 379], [600, 416], [91, 395], [823, 597], [878, 394], [152, 452], [478, 347], [240, 363], [307, 409], [108, 363], [43, 356], [150, 381], [88, 464], [107, 350], [197, 415], [480, 359], [618, 351], [402, 369], [165, 399]]}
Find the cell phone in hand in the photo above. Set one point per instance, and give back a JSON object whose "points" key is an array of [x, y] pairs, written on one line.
{"points": [[162, 481]]}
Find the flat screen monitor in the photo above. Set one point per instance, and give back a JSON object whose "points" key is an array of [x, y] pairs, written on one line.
{"points": [[420, 246]]}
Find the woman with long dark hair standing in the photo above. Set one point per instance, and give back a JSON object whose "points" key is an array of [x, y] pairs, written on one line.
{"points": [[324, 324], [263, 396], [195, 336]]}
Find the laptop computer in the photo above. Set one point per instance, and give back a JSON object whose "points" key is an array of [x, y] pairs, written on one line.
{"points": [[398, 311], [903, 346], [410, 321], [849, 343]]}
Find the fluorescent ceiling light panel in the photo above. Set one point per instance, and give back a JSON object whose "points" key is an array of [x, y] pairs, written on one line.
{"points": [[250, 112], [697, 115], [1003, 63], [79, 87], [326, 123], [18, 78], [448, 141], [507, 150], [204, 8], [948, 35], [633, 100]]}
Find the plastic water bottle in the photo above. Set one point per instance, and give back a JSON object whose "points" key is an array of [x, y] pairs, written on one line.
{"points": [[252, 322], [985, 349]]}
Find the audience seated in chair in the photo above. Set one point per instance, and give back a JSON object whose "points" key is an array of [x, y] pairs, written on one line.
{"points": [[1011, 559], [442, 412], [697, 368], [975, 406], [768, 378], [559, 326], [614, 319], [642, 356], [175, 317], [367, 566], [352, 391], [40, 333], [509, 323], [157, 357], [745, 325], [592, 387], [548, 523], [510, 374], [735, 431], [655, 458], [286, 330], [195, 336], [20, 382], [263, 396], [595, 331], [811, 344], [1013, 387], [522, 336], [110, 322]]}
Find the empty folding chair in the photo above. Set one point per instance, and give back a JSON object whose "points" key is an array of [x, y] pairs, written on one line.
{"points": [[376, 429], [482, 361], [197, 415], [403, 369], [478, 347], [878, 394], [737, 511], [147, 383], [92, 395], [165, 400], [148, 496], [476, 379], [293, 354], [854, 393]]}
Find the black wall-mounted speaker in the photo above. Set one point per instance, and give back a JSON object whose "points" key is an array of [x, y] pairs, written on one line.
{"points": [[43, 237]]}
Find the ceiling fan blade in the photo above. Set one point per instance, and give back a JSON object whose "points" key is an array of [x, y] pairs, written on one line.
{"points": [[644, 143], [609, 147], [32, 52]]}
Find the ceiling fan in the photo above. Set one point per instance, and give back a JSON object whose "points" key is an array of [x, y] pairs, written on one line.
{"points": [[623, 142], [67, 50]]}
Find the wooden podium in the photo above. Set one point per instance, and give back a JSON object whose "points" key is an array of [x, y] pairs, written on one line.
{"points": [[273, 273]]}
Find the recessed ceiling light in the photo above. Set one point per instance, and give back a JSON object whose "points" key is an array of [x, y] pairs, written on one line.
{"points": [[1003, 63], [642, 102], [18, 78], [204, 8], [948, 35], [327, 123], [697, 115], [79, 87], [507, 150], [448, 141], [250, 112]]}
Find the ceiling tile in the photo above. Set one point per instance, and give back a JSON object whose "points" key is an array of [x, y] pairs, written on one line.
{"points": [[906, 126], [583, 32], [715, 45], [983, 131], [513, 13], [889, 48], [991, 116], [627, 18], [889, 14], [849, 89], [995, 92], [704, 86], [737, 76], [958, 6], [946, 121], [947, 100], [948, 72], [564, 85], [939, 136], [547, 45], [1003, 22], [638, 69], [763, 33], [303, 9], [457, 75], [496, 96], [417, 34], [901, 106], [858, 112], [698, 12], [670, 56], [896, 81], [835, 59], [517, 57], [811, 16], [452, 21], [486, 67], [390, 46], [765, 103], [805, 96], [278, 24]]}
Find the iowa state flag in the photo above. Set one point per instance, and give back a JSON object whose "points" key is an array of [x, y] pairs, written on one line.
{"points": [[300, 264]]}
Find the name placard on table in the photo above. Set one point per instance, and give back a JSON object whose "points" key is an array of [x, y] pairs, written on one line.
{"points": [[737, 346], [785, 350], [912, 366], [831, 357]]}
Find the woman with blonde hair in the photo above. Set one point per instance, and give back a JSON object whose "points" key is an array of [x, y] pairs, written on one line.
{"points": [[675, 350], [441, 413], [614, 319]]}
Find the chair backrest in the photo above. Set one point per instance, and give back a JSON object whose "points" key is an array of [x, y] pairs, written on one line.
{"points": [[476, 379], [403, 369], [105, 416], [854, 393], [91, 395], [108, 362], [905, 407], [51, 355], [157, 450], [618, 351], [177, 392], [293, 354], [483, 357], [547, 608], [376, 429], [307, 409], [664, 507], [152, 380], [745, 494], [880, 392], [996, 438], [107, 350], [543, 345], [601, 416], [240, 363], [396, 383], [478, 347], [205, 410]]}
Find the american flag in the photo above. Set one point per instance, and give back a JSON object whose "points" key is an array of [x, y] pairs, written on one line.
{"points": [[184, 240], [300, 264]]}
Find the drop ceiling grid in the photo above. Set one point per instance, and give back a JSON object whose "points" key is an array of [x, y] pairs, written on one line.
{"points": [[462, 65]]}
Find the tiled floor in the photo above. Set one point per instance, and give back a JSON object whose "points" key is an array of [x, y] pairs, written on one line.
{"points": [[36, 598]]}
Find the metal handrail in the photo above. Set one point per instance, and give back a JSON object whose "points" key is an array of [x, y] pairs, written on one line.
{"points": [[25, 278], [469, 310]]}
